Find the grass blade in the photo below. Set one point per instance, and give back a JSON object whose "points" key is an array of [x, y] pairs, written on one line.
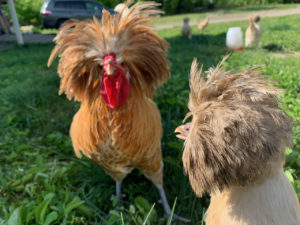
{"points": [[149, 213], [172, 213], [122, 220]]}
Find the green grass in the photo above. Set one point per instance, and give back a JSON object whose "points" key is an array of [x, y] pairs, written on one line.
{"points": [[44, 183], [37, 30]]}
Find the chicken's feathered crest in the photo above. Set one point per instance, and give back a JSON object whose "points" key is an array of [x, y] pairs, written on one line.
{"points": [[238, 132], [81, 46]]}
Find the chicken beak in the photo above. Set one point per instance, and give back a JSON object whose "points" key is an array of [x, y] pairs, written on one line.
{"points": [[110, 69], [183, 131]]}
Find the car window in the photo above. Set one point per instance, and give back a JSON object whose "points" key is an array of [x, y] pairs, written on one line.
{"points": [[93, 6], [69, 5], [60, 5]]}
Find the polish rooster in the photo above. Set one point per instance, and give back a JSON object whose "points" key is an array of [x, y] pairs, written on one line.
{"points": [[234, 149], [112, 67]]}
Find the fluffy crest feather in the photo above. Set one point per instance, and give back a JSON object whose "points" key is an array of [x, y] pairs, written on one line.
{"points": [[81, 46], [238, 133]]}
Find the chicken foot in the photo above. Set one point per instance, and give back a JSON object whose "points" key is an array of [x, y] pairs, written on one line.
{"points": [[164, 200], [167, 208]]}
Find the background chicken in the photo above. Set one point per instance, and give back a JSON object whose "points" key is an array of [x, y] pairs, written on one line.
{"points": [[186, 29], [113, 67], [203, 24], [253, 31], [234, 149]]}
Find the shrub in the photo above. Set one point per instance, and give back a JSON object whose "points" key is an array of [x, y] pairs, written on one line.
{"points": [[170, 6], [28, 11], [110, 3]]}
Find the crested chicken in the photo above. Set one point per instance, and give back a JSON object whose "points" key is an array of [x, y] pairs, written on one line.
{"points": [[112, 67], [253, 31], [234, 148], [203, 24], [186, 29]]}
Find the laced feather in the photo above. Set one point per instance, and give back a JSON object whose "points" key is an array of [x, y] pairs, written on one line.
{"points": [[238, 133], [82, 44]]}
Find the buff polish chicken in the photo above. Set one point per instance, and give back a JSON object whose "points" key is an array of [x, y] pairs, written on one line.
{"points": [[112, 67], [235, 148], [203, 24], [253, 31]]}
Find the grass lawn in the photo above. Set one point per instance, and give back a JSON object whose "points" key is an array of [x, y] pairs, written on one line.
{"points": [[44, 183]]}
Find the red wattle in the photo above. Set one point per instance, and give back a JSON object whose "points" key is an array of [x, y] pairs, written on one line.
{"points": [[114, 89]]}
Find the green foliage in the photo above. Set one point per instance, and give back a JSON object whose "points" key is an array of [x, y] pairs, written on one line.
{"points": [[171, 6], [186, 6], [29, 11], [180, 6], [110, 3], [43, 183]]}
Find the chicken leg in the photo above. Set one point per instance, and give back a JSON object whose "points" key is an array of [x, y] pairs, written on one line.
{"points": [[164, 201], [118, 190], [167, 208]]}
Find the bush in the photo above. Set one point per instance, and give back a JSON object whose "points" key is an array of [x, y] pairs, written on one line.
{"points": [[170, 6], [28, 11], [186, 6], [110, 3]]}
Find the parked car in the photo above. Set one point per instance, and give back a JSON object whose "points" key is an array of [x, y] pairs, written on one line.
{"points": [[56, 12]]}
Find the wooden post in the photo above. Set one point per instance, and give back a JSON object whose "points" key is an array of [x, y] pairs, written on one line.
{"points": [[15, 22], [3, 21]]}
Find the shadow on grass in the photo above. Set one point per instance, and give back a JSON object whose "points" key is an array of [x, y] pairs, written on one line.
{"points": [[273, 47], [208, 49]]}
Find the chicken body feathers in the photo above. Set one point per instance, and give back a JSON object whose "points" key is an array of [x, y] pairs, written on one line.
{"points": [[253, 31], [120, 140]]}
